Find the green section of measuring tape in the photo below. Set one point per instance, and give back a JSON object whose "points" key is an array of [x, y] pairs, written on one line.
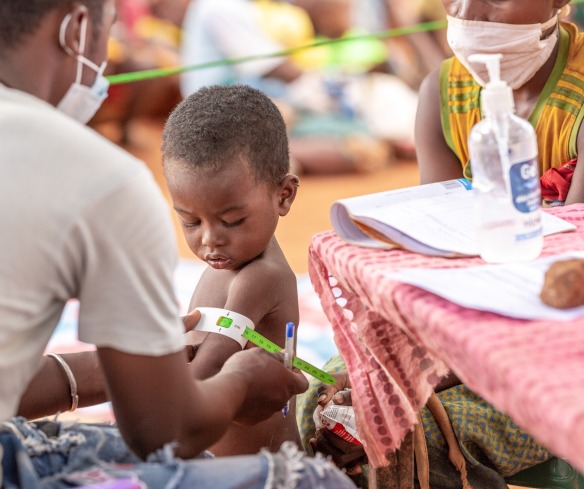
{"points": [[259, 340]]}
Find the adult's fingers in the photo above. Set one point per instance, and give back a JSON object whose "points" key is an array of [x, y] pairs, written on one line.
{"points": [[300, 377], [191, 320]]}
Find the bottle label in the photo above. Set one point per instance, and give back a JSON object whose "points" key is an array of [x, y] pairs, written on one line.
{"points": [[525, 189]]}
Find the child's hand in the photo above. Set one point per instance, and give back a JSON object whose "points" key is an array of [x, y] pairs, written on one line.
{"points": [[270, 386], [344, 454], [337, 391], [191, 351]]}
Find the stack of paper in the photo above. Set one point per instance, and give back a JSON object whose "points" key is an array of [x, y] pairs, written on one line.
{"points": [[511, 289], [435, 219]]}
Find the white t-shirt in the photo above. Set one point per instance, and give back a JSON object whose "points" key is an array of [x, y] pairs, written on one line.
{"points": [[79, 218], [219, 29]]}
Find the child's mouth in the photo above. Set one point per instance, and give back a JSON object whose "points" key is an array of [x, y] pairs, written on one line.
{"points": [[219, 263]]}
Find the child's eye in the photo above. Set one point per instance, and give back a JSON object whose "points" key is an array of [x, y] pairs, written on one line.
{"points": [[233, 224], [190, 224]]}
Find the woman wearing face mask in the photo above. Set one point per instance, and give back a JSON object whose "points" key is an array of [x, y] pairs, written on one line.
{"points": [[543, 60]]}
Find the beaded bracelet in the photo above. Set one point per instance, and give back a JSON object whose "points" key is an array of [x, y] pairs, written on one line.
{"points": [[70, 378]]}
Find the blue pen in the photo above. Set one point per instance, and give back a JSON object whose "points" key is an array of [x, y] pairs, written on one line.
{"points": [[288, 356]]}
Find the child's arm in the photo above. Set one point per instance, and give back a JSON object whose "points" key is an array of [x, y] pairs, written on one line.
{"points": [[436, 160], [211, 354], [254, 296]]}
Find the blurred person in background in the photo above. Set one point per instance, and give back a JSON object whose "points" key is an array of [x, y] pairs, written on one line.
{"points": [[146, 35], [322, 90], [415, 55]]}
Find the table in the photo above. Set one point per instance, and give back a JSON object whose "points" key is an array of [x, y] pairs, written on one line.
{"points": [[398, 340]]}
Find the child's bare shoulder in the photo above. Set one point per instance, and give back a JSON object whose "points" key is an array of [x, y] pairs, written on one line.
{"points": [[262, 276], [271, 265], [264, 289], [212, 289]]}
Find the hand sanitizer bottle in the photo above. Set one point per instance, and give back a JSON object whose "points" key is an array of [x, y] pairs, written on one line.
{"points": [[505, 173]]}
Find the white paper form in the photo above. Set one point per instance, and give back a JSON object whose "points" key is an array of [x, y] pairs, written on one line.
{"points": [[444, 221], [378, 211], [510, 290], [434, 219]]}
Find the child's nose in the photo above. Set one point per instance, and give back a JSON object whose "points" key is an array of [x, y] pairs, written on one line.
{"points": [[212, 237]]}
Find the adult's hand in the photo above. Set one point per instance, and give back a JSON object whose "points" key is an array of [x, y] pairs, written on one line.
{"points": [[270, 384], [191, 320]]}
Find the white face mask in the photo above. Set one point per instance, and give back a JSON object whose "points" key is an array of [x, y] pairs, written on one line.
{"points": [[524, 51], [81, 102]]}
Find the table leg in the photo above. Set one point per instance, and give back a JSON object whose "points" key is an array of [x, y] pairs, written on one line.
{"points": [[399, 474]]}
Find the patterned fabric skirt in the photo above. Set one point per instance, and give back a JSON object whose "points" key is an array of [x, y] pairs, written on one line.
{"points": [[491, 442]]}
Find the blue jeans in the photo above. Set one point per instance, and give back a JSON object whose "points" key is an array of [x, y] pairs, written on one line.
{"points": [[53, 455]]}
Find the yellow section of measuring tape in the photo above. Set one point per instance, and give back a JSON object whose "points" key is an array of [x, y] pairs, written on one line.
{"points": [[261, 341]]}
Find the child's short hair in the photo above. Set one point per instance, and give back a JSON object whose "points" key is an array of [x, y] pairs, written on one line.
{"points": [[217, 125]]}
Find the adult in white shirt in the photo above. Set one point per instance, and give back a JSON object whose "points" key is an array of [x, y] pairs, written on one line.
{"points": [[83, 219]]}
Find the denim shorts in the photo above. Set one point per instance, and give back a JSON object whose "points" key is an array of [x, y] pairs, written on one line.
{"points": [[55, 455]]}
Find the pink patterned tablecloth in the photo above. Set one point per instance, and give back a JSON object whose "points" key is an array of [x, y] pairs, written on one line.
{"points": [[398, 340]]}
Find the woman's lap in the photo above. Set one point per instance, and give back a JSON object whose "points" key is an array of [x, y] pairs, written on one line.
{"points": [[490, 440], [52, 455]]}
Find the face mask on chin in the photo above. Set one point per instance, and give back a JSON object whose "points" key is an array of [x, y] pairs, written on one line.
{"points": [[82, 102], [523, 49]]}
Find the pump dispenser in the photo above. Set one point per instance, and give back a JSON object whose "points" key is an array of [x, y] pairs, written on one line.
{"points": [[497, 96], [504, 166]]}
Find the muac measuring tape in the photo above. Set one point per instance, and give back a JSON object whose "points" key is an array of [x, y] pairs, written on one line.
{"points": [[241, 329]]}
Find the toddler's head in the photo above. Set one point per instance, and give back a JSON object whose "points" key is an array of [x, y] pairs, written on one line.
{"points": [[226, 161]]}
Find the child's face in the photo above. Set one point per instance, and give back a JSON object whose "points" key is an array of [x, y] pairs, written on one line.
{"points": [[227, 217], [504, 11]]}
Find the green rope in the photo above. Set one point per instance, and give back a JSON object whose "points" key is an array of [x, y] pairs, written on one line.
{"points": [[157, 73], [387, 34]]}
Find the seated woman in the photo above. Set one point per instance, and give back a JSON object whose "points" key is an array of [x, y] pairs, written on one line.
{"points": [[543, 68]]}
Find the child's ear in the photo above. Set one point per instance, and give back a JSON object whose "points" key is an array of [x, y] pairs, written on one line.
{"points": [[288, 189]]}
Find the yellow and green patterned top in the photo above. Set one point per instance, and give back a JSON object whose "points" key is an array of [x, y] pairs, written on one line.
{"points": [[556, 117]]}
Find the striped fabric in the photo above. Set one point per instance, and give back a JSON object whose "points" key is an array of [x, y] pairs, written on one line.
{"points": [[556, 117]]}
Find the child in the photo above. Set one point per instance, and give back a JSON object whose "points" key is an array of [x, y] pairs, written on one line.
{"points": [[542, 62], [225, 154]]}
